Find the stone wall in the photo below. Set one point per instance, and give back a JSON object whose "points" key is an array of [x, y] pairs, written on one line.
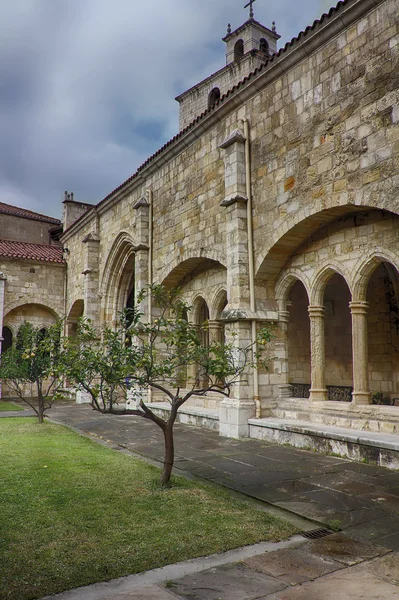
{"points": [[324, 136], [32, 283]]}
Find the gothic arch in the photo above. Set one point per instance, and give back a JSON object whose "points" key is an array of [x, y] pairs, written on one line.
{"points": [[218, 303], [118, 272], [364, 269], [321, 279], [285, 283]]}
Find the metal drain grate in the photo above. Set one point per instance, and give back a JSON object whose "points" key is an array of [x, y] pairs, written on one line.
{"points": [[316, 534]]}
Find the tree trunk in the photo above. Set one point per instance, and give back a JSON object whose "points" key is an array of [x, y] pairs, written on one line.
{"points": [[40, 405], [169, 454]]}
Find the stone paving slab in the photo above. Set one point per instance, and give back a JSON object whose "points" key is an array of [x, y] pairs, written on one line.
{"points": [[153, 592], [344, 549], [357, 583], [232, 582], [293, 566]]}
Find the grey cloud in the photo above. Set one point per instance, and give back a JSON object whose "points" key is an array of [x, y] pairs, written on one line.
{"points": [[87, 87]]}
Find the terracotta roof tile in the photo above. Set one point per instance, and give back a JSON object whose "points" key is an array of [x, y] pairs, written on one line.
{"points": [[27, 214], [27, 251]]}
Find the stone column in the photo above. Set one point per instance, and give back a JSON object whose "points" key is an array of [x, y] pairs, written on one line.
{"points": [[361, 391], [317, 349], [3, 279], [282, 352], [215, 329]]}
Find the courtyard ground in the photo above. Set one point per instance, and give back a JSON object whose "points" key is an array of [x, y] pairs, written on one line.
{"points": [[73, 513], [359, 563]]}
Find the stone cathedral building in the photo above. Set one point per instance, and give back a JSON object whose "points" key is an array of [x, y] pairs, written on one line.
{"points": [[277, 201]]}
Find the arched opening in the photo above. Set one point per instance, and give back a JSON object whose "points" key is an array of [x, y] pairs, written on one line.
{"points": [[213, 97], [7, 339], [298, 341], [338, 340], [76, 312], [238, 50], [264, 46], [118, 276], [201, 320], [383, 334]]}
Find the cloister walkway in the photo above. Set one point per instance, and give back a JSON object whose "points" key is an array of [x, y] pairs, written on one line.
{"points": [[362, 499]]}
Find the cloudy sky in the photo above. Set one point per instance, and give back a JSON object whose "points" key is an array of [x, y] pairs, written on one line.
{"points": [[87, 87]]}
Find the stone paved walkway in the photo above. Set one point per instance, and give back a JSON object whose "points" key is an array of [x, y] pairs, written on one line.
{"points": [[360, 563]]}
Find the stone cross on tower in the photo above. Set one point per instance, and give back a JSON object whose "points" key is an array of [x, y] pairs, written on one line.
{"points": [[251, 10]]}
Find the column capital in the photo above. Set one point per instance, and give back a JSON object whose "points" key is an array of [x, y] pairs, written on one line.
{"points": [[316, 311], [359, 307]]}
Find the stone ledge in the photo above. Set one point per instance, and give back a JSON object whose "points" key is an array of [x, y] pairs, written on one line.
{"points": [[378, 448], [189, 415]]}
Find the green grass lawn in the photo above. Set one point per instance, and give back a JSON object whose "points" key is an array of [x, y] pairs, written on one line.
{"points": [[9, 406], [73, 512]]}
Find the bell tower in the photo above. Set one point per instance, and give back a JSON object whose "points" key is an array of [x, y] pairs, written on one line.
{"points": [[247, 47]]}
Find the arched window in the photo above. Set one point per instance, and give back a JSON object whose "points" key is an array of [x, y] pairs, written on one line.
{"points": [[264, 46], [238, 50], [213, 97], [7, 339]]}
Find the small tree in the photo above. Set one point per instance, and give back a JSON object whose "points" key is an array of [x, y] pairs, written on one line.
{"points": [[156, 355], [34, 362]]}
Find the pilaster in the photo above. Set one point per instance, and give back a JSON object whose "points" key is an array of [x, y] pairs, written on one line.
{"points": [[91, 277], [235, 411], [235, 202]]}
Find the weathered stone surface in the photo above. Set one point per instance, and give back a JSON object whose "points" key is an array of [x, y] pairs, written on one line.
{"points": [[233, 582], [293, 565], [340, 548]]}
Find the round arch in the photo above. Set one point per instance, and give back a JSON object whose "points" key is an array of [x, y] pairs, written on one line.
{"points": [[172, 275], [29, 302], [294, 230]]}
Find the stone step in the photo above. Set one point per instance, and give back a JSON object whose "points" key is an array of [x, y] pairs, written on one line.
{"points": [[368, 446], [381, 419], [189, 415]]}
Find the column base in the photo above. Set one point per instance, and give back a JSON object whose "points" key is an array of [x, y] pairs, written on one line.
{"points": [[361, 398], [82, 397], [318, 395], [233, 418], [285, 391]]}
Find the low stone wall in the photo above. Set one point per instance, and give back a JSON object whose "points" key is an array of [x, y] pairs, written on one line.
{"points": [[375, 448], [206, 418]]}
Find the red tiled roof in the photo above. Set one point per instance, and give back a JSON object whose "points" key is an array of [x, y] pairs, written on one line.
{"points": [[27, 214], [26, 251], [288, 45]]}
